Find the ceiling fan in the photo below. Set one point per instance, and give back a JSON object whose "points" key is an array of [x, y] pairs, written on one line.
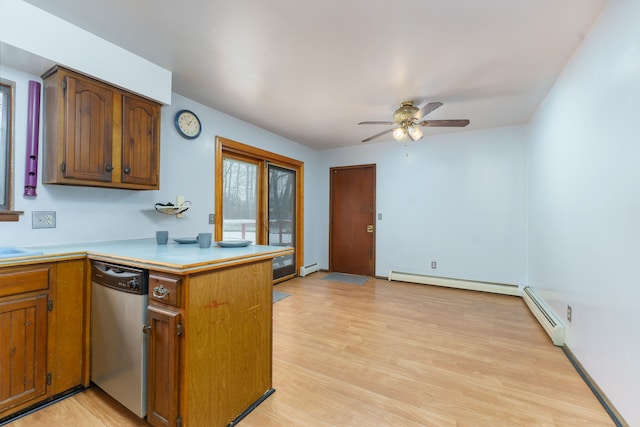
{"points": [[406, 124]]}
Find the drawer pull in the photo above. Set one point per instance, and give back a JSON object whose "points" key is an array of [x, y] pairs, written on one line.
{"points": [[160, 292]]}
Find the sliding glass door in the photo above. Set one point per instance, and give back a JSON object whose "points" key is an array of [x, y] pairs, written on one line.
{"points": [[259, 198], [282, 217]]}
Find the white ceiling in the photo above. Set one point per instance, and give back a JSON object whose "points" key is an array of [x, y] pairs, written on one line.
{"points": [[311, 70]]}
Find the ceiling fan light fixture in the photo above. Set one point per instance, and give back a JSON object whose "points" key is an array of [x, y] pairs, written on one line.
{"points": [[400, 134], [408, 119], [414, 132], [405, 112]]}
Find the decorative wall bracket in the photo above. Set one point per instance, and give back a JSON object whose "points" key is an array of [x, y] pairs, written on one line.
{"points": [[170, 209]]}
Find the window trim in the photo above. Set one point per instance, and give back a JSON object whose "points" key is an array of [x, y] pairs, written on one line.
{"points": [[8, 214]]}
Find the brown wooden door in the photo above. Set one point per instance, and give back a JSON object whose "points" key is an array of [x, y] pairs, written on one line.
{"points": [[352, 220], [23, 350], [163, 363], [140, 141], [88, 130]]}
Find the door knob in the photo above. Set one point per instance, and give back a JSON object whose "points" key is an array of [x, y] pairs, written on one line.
{"points": [[369, 228]]}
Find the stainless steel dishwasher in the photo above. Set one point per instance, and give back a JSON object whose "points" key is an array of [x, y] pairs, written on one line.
{"points": [[118, 345]]}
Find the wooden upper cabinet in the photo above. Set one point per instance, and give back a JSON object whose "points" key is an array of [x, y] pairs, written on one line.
{"points": [[140, 148], [99, 135], [88, 130]]}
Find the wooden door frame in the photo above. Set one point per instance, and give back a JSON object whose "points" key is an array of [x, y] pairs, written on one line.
{"points": [[229, 147], [375, 228]]}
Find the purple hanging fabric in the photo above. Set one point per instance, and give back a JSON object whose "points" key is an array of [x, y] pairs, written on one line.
{"points": [[33, 132]]}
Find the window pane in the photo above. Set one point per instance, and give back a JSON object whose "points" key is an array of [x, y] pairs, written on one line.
{"points": [[282, 216], [239, 200]]}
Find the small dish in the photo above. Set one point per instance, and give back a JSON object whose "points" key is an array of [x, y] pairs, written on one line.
{"points": [[186, 240], [233, 243]]}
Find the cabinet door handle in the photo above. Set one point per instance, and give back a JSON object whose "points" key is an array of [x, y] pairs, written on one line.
{"points": [[127, 170], [160, 292], [108, 168]]}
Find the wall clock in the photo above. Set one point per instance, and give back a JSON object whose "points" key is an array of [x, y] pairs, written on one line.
{"points": [[188, 124]]}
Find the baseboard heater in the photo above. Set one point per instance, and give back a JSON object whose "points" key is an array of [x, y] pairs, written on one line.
{"points": [[308, 269], [550, 323], [496, 288]]}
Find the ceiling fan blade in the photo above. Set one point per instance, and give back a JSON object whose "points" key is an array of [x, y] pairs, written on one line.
{"points": [[379, 134], [445, 123], [426, 110], [377, 123]]}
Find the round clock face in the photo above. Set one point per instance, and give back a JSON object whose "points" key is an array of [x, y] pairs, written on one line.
{"points": [[188, 124]]}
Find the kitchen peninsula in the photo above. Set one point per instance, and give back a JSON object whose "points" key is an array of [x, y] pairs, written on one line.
{"points": [[209, 323]]}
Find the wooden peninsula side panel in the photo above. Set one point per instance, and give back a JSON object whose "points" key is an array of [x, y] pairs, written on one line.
{"points": [[228, 342], [210, 344]]}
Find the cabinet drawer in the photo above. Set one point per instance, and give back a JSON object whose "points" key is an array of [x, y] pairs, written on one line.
{"points": [[21, 280], [165, 289]]}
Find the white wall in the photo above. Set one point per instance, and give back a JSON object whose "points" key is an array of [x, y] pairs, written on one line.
{"points": [[584, 210], [27, 33], [457, 199], [186, 168]]}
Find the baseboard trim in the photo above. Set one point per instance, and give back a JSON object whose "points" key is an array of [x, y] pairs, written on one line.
{"points": [[597, 392], [47, 402], [253, 406], [447, 282]]}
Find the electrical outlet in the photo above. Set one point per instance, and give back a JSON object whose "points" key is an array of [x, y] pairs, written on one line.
{"points": [[433, 264], [569, 313], [43, 219], [212, 218]]}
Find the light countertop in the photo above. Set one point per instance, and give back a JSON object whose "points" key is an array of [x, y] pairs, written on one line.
{"points": [[145, 253]]}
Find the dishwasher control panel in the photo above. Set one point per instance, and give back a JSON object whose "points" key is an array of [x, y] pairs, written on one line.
{"points": [[123, 278]]}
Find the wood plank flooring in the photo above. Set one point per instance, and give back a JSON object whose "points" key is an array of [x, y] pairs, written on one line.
{"points": [[394, 354]]}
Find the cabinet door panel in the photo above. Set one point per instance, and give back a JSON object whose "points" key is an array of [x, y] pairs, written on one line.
{"points": [[89, 118], [71, 331], [163, 367], [23, 354], [140, 136]]}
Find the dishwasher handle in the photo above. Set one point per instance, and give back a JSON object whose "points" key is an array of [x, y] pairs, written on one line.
{"points": [[115, 271]]}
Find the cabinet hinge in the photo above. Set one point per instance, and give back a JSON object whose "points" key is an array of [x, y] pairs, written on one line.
{"points": [[180, 329], [63, 166], [50, 305], [49, 378], [179, 421]]}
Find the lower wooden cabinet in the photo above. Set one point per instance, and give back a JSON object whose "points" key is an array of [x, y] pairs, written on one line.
{"points": [[43, 333], [23, 358], [210, 344], [163, 367]]}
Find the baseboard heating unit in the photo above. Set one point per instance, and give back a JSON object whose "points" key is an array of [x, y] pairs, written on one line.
{"points": [[550, 323], [308, 269], [496, 288]]}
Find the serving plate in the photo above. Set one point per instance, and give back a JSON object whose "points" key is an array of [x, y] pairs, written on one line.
{"points": [[186, 240], [233, 243]]}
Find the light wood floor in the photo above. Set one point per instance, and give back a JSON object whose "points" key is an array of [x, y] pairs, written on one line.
{"points": [[395, 354]]}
